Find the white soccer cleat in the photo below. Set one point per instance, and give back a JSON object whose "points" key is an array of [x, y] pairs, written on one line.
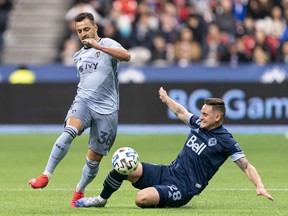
{"points": [[90, 202]]}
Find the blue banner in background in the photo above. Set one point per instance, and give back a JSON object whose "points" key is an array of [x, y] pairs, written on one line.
{"points": [[271, 73], [256, 97]]}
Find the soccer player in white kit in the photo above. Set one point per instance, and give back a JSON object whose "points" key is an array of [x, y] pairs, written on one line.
{"points": [[95, 106]]}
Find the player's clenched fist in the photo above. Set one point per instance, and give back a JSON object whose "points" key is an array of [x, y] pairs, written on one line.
{"points": [[163, 95]]}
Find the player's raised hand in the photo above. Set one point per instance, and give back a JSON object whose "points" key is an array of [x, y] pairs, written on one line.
{"points": [[88, 42], [163, 95], [263, 192]]}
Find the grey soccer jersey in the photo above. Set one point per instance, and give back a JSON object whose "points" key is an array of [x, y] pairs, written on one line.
{"points": [[98, 86]]}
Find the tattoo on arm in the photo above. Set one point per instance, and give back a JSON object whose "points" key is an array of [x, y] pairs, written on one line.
{"points": [[177, 112], [242, 163]]}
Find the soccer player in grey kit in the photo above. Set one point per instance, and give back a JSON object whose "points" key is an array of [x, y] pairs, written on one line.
{"points": [[95, 106], [207, 147]]}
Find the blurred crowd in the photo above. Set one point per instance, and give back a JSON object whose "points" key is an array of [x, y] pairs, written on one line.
{"points": [[184, 32]]}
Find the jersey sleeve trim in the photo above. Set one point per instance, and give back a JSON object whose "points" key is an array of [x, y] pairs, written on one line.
{"points": [[190, 115], [237, 156]]}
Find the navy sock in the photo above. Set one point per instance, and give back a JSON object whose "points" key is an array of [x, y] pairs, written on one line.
{"points": [[112, 183]]}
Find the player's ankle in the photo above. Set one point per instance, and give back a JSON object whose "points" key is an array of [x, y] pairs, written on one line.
{"points": [[101, 199], [48, 174]]}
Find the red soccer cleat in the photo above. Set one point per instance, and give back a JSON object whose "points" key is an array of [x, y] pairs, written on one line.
{"points": [[39, 182], [76, 196]]}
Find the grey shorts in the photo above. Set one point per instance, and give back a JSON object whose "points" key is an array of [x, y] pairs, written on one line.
{"points": [[103, 127]]}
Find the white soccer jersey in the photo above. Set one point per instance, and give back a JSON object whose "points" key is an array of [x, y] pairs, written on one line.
{"points": [[98, 72]]}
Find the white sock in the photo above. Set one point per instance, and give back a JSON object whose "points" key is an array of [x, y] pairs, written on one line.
{"points": [[48, 174], [101, 199]]}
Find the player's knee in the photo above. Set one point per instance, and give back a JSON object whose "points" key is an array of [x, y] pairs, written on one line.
{"points": [[141, 199], [145, 200]]}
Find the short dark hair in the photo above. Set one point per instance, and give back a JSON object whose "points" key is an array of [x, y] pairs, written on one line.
{"points": [[217, 104], [83, 16]]}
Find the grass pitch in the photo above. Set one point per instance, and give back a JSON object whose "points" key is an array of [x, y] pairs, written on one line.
{"points": [[229, 192]]}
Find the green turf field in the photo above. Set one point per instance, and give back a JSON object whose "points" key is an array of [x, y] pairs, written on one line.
{"points": [[229, 192]]}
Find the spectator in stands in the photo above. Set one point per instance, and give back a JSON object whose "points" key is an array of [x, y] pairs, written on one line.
{"points": [[137, 21], [159, 53], [259, 9], [22, 76], [79, 7], [282, 53], [239, 9], [149, 8], [141, 40], [5, 8], [236, 54], [260, 56], [69, 49], [110, 30], [284, 36], [214, 46], [197, 25], [204, 8], [183, 10], [102, 7], [273, 27], [225, 19], [141, 33], [284, 7], [187, 50], [127, 7], [248, 35], [169, 24], [275, 24], [261, 41]]}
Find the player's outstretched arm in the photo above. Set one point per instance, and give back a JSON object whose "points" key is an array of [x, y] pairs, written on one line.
{"points": [[175, 107], [254, 177]]}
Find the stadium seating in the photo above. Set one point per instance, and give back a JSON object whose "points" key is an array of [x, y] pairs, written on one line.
{"points": [[35, 31]]}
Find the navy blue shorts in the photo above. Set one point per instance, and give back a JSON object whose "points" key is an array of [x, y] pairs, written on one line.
{"points": [[158, 176]]}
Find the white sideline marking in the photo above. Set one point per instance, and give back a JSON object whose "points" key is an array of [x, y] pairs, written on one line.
{"points": [[63, 189]]}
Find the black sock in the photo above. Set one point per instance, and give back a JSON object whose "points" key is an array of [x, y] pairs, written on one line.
{"points": [[112, 183]]}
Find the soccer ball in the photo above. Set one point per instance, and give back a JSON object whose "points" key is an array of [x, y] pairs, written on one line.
{"points": [[125, 160]]}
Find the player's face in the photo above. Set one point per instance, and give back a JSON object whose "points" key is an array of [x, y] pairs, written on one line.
{"points": [[85, 29], [209, 118]]}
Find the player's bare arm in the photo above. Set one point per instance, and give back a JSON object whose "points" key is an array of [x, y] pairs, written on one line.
{"points": [[118, 53], [253, 176], [175, 107]]}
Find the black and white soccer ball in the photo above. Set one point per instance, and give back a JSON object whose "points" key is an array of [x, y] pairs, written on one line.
{"points": [[125, 160]]}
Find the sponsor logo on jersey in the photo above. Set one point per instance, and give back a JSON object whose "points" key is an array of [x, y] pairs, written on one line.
{"points": [[92, 66], [212, 141], [196, 147]]}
